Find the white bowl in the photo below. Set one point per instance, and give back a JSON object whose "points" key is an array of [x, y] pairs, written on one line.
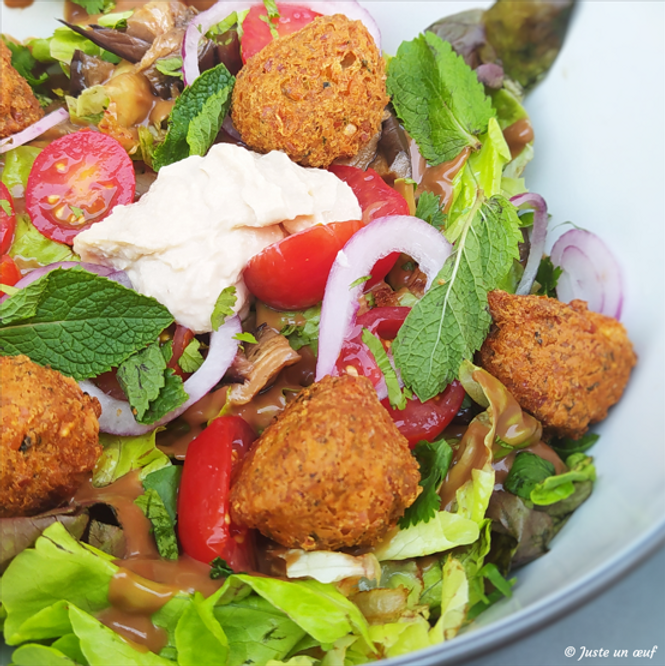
{"points": [[600, 147]]}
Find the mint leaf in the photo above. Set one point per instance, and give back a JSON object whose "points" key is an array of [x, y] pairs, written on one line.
{"points": [[141, 377], [96, 6], [451, 321], [429, 209], [170, 66], [434, 459], [79, 323], [566, 446], [223, 307], [196, 117], [527, 471], [395, 395], [438, 98], [171, 396], [162, 526], [165, 483], [191, 359], [547, 277]]}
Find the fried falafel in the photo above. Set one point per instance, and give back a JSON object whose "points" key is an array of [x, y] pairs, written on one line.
{"points": [[49, 437], [563, 363], [317, 94], [331, 472], [18, 105]]}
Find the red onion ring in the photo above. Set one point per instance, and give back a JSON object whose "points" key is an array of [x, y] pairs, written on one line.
{"points": [[33, 131], [201, 23], [538, 237], [590, 272], [117, 417], [394, 233]]}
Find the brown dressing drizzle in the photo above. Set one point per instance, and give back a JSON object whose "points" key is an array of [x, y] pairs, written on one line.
{"points": [[502, 467], [439, 179], [518, 135]]}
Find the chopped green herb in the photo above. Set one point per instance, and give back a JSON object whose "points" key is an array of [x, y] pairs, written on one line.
{"points": [[272, 9], [170, 66], [191, 359], [141, 377], [165, 482], [434, 459], [268, 21], [360, 280], [565, 446], [527, 471], [116, 21], [6, 207], [429, 209], [395, 395], [24, 63], [96, 6], [246, 337], [223, 26], [547, 277], [223, 307], [163, 527], [219, 569]]}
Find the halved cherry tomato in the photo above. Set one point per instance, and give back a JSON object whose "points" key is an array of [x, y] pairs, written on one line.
{"points": [[9, 272], [204, 524], [377, 199], [292, 273], [255, 30], [7, 219], [427, 420], [181, 338], [76, 181]]}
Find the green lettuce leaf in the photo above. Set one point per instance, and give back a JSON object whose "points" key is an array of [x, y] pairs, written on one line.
{"points": [[34, 654], [199, 637], [31, 245], [41, 583], [18, 163], [560, 487], [191, 359], [89, 106], [124, 454]]}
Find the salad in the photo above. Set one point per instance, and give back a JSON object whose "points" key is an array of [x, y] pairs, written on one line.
{"points": [[447, 557]]}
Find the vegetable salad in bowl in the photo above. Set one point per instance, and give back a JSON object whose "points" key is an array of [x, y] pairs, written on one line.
{"points": [[288, 377]]}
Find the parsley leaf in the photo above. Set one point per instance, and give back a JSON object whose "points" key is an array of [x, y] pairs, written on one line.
{"points": [[527, 471], [434, 459], [79, 323], [191, 359], [395, 395], [162, 526], [223, 307], [306, 333], [451, 321], [24, 62], [429, 209], [96, 6], [547, 277], [220, 569], [438, 98], [196, 117]]}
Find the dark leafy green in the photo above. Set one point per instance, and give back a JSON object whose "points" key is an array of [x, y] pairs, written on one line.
{"points": [[429, 209], [163, 527], [527, 471], [547, 277], [566, 446]]}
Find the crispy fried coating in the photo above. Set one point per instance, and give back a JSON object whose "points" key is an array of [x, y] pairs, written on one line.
{"points": [[18, 105], [331, 472], [49, 437], [317, 94], [562, 363]]}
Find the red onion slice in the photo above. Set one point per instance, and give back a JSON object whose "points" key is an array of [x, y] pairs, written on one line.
{"points": [[590, 272], [201, 23], [117, 417], [33, 131], [538, 237], [394, 233]]}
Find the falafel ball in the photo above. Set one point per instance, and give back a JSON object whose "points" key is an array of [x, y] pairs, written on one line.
{"points": [[563, 363], [317, 94], [49, 437], [18, 105], [331, 472]]}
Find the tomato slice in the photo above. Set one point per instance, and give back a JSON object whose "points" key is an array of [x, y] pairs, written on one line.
{"points": [[76, 181], [181, 338], [204, 525], [7, 219], [292, 273], [256, 32], [9, 272], [427, 420], [377, 199]]}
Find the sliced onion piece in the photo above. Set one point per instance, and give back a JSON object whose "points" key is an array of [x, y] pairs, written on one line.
{"points": [[538, 237], [201, 23], [590, 272], [33, 131], [117, 417], [394, 233]]}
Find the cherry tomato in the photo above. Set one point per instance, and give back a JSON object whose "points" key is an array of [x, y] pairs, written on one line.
{"points": [[181, 338], [76, 181], [9, 272], [204, 524], [427, 420], [292, 273], [377, 199], [255, 30], [7, 219]]}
